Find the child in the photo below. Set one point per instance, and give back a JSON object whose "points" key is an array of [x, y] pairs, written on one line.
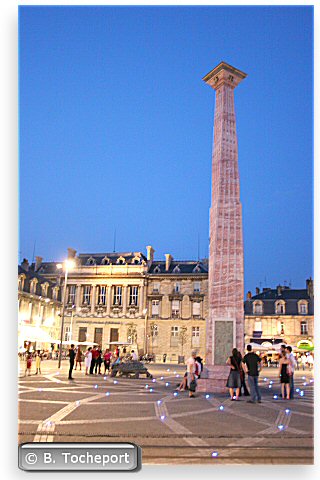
{"points": [[28, 364], [38, 362]]}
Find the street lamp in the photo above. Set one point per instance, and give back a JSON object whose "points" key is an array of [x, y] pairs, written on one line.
{"points": [[68, 265], [145, 313]]}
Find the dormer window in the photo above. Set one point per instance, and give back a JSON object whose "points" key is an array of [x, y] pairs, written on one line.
{"points": [[105, 261], [176, 269], [303, 307], [258, 307], [280, 307], [136, 260], [91, 261], [33, 285], [44, 289], [157, 269], [121, 261], [21, 280], [196, 269]]}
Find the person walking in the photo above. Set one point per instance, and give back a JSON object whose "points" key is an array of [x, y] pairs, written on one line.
{"points": [[88, 360], [284, 376], [134, 356], [291, 369], [191, 374], [252, 366], [234, 380], [38, 362], [72, 355], [78, 358], [310, 361]]}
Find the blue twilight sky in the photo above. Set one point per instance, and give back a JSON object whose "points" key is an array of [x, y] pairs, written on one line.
{"points": [[116, 130]]}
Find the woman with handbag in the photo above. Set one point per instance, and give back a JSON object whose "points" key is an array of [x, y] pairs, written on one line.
{"points": [[234, 379]]}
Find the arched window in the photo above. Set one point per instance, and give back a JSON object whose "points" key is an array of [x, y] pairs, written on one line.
{"points": [[33, 285], [105, 261], [91, 261], [121, 261], [21, 280]]}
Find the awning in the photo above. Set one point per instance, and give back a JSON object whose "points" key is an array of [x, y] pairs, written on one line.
{"points": [[34, 334]]}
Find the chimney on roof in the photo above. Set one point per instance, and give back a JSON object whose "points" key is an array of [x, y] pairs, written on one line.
{"points": [[279, 289], [71, 253], [25, 264], [150, 253], [168, 261], [38, 263], [249, 295], [257, 290], [310, 287]]}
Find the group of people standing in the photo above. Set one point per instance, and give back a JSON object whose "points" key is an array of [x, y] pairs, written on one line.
{"points": [[94, 358]]}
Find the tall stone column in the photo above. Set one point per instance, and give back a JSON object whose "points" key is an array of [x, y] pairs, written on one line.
{"points": [[225, 325]]}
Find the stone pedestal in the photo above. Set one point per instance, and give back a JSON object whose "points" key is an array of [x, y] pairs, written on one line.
{"points": [[225, 325]]}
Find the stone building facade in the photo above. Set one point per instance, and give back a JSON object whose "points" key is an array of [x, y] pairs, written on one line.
{"points": [[280, 315], [162, 306], [39, 305]]}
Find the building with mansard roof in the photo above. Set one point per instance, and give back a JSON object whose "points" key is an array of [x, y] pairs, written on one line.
{"points": [[161, 306], [280, 315]]}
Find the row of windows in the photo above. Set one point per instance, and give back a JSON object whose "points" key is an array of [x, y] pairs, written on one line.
{"points": [[280, 307], [303, 327], [176, 287], [175, 308], [117, 295], [177, 335]]}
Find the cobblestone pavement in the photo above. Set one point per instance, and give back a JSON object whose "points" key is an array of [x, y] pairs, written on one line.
{"points": [[170, 427]]}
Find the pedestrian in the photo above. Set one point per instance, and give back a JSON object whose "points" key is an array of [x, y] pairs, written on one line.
{"points": [[117, 351], [304, 361], [98, 361], [28, 363], [243, 379], [200, 360], [310, 361], [88, 360], [107, 359], [234, 380], [95, 355], [78, 358], [191, 371], [252, 366], [292, 366], [284, 365], [38, 362], [72, 355]]}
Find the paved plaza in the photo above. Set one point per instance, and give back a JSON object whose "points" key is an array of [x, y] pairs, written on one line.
{"points": [[170, 427]]}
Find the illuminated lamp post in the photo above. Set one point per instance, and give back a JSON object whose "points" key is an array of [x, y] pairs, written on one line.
{"points": [[68, 265]]}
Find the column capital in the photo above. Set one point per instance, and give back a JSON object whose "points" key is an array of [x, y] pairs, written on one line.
{"points": [[224, 74]]}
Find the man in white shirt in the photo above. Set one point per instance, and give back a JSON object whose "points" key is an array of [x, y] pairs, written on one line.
{"points": [[191, 368]]}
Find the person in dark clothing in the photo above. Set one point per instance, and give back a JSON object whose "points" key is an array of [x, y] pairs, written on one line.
{"points": [[72, 355], [199, 360], [234, 381], [95, 355], [243, 379], [98, 361], [252, 365], [284, 376]]}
